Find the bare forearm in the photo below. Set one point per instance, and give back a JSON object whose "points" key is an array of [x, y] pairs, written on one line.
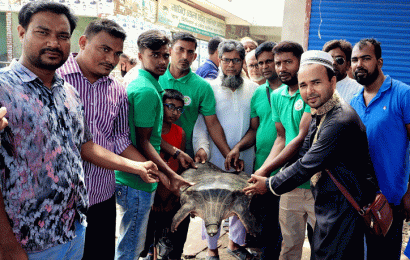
{"points": [[169, 149], [247, 141], [151, 154], [98, 155], [133, 154], [268, 166]]}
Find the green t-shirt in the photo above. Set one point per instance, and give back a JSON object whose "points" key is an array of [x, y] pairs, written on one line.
{"points": [[288, 110], [198, 97], [266, 133], [145, 101]]}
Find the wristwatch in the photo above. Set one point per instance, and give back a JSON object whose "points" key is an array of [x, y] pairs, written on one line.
{"points": [[176, 154]]}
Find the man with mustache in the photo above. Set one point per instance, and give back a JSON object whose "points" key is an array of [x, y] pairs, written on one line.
{"points": [[384, 105], [44, 199], [262, 133], [341, 52], [233, 96], [336, 141], [198, 95], [106, 112], [253, 68], [292, 117], [135, 196]]}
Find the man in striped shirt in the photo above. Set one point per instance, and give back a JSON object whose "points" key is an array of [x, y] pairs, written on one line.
{"points": [[106, 113]]}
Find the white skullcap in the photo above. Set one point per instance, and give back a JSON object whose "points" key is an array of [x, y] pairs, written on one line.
{"points": [[317, 57]]}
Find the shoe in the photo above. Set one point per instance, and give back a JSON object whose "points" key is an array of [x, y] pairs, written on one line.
{"points": [[212, 257], [148, 257], [241, 253]]}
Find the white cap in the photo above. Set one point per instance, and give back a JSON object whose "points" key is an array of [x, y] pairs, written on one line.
{"points": [[317, 57]]}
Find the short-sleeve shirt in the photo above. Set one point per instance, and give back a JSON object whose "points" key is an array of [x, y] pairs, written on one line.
{"points": [[385, 119], [288, 110], [41, 171], [198, 98], [106, 113], [146, 110], [266, 132], [208, 70]]}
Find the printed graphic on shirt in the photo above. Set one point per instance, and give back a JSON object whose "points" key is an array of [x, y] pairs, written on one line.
{"points": [[298, 105], [187, 100]]}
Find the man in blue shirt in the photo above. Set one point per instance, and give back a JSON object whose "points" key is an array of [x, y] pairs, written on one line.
{"points": [[209, 70], [383, 106]]}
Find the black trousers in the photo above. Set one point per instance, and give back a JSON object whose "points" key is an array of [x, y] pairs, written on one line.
{"points": [[100, 232], [265, 208], [388, 247]]}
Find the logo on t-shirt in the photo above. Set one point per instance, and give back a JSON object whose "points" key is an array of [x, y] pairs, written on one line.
{"points": [[299, 104], [187, 100]]}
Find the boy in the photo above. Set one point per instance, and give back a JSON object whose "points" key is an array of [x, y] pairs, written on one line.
{"points": [[167, 204]]}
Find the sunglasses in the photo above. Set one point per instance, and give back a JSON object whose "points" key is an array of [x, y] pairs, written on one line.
{"points": [[339, 60], [172, 107]]}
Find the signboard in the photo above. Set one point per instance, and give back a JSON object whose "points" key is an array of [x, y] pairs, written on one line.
{"points": [[79, 7], [180, 15], [4, 5]]}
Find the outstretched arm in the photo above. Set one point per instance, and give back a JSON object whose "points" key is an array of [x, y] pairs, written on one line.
{"points": [[247, 141], [277, 160]]}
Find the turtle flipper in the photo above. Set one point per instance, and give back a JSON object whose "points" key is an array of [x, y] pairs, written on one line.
{"points": [[181, 214]]}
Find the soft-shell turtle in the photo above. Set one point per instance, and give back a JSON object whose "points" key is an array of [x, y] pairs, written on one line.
{"points": [[215, 196]]}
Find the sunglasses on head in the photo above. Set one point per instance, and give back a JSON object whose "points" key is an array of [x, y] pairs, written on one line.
{"points": [[339, 60]]}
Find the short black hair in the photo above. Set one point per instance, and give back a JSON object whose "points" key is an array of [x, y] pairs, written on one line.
{"points": [[105, 25], [330, 73], [288, 46], [31, 8], [374, 42], [172, 94], [231, 45], [344, 45], [213, 44], [183, 36], [265, 46], [152, 39]]}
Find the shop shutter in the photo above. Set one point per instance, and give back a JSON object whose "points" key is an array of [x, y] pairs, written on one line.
{"points": [[386, 20]]}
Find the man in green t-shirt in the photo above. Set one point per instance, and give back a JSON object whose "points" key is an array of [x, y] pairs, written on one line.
{"points": [[198, 95], [134, 196], [292, 118], [262, 132]]}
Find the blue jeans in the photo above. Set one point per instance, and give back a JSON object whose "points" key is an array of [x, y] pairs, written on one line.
{"points": [[135, 206], [72, 250]]}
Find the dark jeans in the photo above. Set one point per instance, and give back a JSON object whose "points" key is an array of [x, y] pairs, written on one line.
{"points": [[100, 232], [265, 208], [159, 224], [388, 247]]}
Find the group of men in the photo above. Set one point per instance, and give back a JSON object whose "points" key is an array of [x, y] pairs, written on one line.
{"points": [[67, 125]]}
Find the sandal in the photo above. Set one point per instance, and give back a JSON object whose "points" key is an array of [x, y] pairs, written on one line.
{"points": [[241, 253]]}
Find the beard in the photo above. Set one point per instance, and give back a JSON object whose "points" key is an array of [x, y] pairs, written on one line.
{"points": [[367, 79], [42, 64], [256, 78], [293, 81], [232, 81], [123, 72]]}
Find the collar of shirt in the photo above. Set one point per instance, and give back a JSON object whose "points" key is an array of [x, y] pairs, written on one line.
{"points": [[326, 107], [184, 79], [211, 63], [27, 75], [387, 84], [71, 67], [285, 92], [148, 76]]}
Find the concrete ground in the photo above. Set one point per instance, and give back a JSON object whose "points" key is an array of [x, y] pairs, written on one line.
{"points": [[195, 247]]}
